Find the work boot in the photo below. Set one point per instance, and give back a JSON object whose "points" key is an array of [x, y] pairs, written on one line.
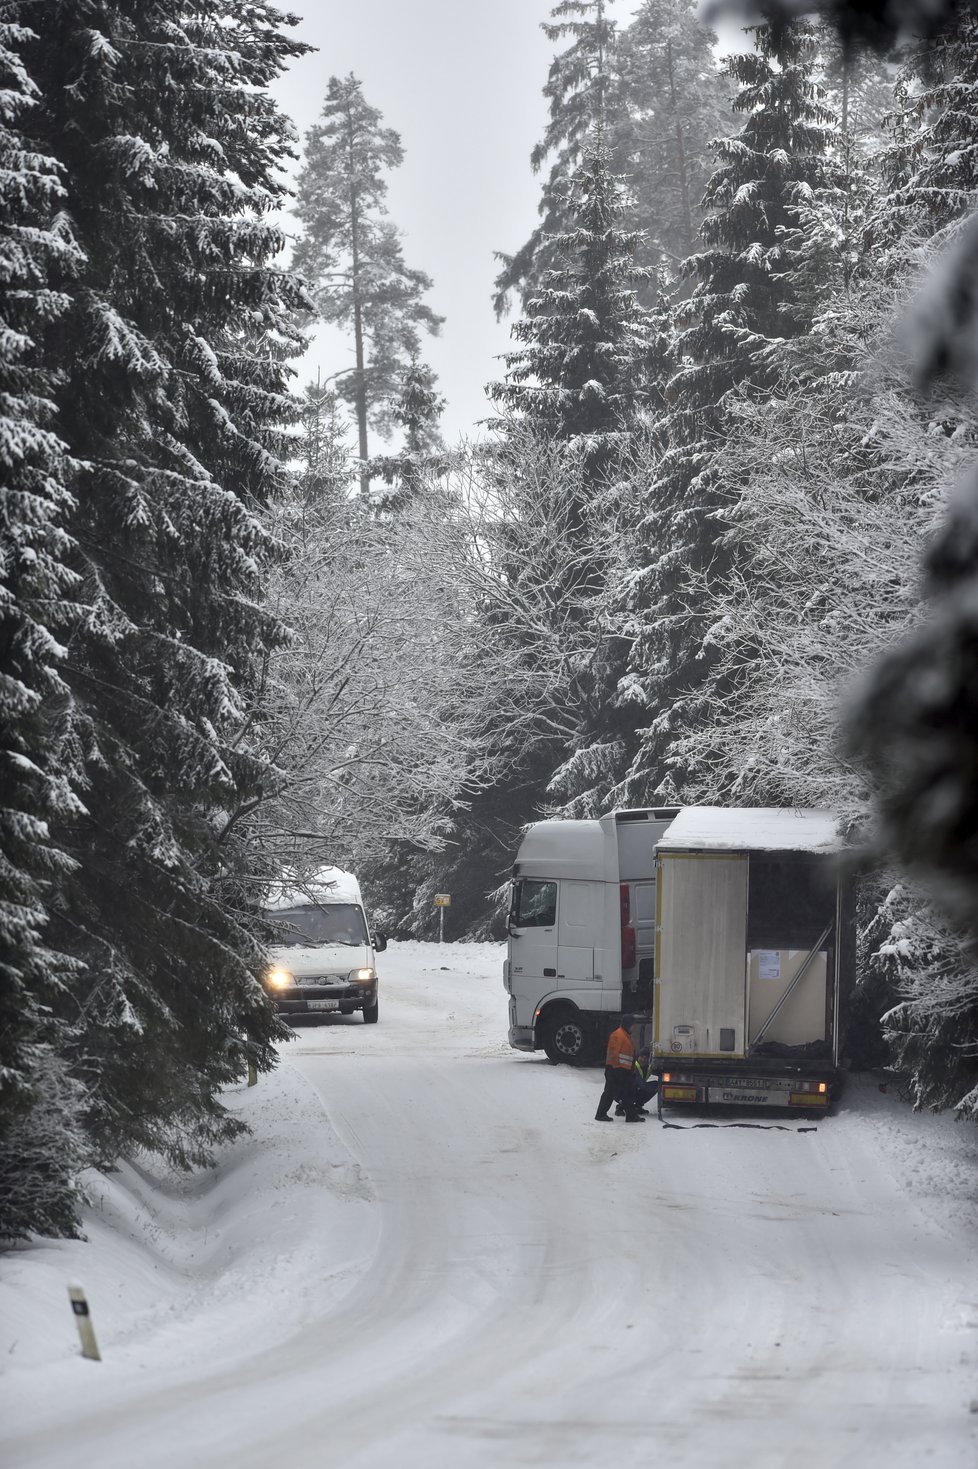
{"points": [[619, 1110], [634, 1117], [601, 1117]]}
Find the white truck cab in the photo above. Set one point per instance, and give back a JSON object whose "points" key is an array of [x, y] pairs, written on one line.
{"points": [[582, 931], [323, 957]]}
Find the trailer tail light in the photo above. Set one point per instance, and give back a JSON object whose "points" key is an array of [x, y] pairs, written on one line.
{"points": [[808, 1099]]}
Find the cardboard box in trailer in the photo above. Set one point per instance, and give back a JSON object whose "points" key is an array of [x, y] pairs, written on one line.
{"points": [[582, 931], [754, 958]]}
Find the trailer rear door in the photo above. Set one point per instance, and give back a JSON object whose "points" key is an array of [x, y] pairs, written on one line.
{"points": [[701, 981]]}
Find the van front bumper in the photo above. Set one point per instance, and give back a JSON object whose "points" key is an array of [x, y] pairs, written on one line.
{"points": [[521, 1037], [308, 999]]}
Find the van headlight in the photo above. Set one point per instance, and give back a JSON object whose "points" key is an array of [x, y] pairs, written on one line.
{"points": [[362, 976], [279, 979]]}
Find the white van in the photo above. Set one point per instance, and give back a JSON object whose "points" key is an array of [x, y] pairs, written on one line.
{"points": [[323, 957]]}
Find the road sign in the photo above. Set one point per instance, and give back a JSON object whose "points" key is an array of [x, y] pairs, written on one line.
{"points": [[443, 900]]}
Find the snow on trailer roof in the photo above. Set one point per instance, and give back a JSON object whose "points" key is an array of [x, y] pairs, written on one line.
{"points": [[328, 885], [753, 829]]}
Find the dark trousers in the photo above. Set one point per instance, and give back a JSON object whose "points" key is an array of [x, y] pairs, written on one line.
{"points": [[617, 1088]]}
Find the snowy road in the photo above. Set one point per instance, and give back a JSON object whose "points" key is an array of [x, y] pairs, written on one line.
{"points": [[522, 1286]]}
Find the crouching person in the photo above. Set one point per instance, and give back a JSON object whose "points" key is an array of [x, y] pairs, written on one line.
{"points": [[644, 1084]]}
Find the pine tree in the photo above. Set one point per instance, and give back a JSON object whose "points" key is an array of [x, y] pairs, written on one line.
{"points": [[675, 101], [655, 96], [351, 255], [579, 91], [37, 1161], [416, 410], [755, 287], [930, 166], [573, 392], [169, 392]]}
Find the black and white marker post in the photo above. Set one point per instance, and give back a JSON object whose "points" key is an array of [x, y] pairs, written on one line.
{"points": [[83, 1320]]}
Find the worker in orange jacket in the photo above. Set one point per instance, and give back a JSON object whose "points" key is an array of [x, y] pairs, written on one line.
{"points": [[618, 1068]]}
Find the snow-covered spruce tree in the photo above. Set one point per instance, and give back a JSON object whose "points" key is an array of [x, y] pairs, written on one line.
{"points": [[350, 254], [655, 95], [408, 474], [582, 93], [755, 289], [170, 397], [581, 378], [576, 383], [674, 101], [38, 1160]]}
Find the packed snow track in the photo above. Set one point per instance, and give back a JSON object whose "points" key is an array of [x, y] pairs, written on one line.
{"points": [[455, 1265]]}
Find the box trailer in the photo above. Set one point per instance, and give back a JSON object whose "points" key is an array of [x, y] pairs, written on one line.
{"points": [[754, 958]]}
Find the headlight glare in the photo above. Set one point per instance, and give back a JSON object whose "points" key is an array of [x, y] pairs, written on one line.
{"points": [[362, 976], [280, 979]]}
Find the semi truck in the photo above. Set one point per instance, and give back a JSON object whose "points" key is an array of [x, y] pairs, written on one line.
{"points": [[727, 932], [582, 931]]}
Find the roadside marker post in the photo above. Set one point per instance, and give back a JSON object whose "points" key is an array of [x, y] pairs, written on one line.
{"points": [[442, 901], [83, 1320]]}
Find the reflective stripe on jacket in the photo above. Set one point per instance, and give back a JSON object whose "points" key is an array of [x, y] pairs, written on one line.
{"points": [[621, 1051]]}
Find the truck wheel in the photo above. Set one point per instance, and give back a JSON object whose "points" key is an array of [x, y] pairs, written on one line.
{"points": [[370, 1013], [565, 1038]]}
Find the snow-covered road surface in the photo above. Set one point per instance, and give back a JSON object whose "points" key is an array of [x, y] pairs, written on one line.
{"points": [[430, 1255]]}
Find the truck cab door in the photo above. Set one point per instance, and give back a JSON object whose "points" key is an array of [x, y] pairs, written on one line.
{"points": [[578, 924], [533, 931]]}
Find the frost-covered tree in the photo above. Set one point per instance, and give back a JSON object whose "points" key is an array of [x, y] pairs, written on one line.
{"points": [[654, 96], [582, 99], [40, 1146], [675, 101], [350, 253], [416, 409], [169, 391], [583, 377], [755, 287]]}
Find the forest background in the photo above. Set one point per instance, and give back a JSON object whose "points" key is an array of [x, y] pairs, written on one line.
{"points": [[708, 548]]}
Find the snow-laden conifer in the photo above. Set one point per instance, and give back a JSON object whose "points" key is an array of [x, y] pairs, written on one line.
{"points": [[755, 287], [351, 254], [170, 396], [40, 1148]]}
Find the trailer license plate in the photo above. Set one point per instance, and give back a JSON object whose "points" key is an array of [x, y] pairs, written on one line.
{"points": [[740, 1098], [323, 1004]]}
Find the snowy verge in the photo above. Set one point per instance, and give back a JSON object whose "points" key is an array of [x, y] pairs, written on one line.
{"points": [[197, 1263]]}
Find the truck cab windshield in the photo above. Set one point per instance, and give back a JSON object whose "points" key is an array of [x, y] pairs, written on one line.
{"points": [[333, 923]]}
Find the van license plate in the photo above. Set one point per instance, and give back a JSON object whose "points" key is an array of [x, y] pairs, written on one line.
{"points": [[323, 1004], [740, 1098]]}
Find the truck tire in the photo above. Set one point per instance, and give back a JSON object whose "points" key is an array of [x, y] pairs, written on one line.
{"points": [[565, 1037], [371, 1012]]}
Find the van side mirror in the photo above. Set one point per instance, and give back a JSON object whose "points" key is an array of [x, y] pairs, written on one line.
{"points": [[380, 942]]}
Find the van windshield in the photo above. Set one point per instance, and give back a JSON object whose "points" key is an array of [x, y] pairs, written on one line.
{"points": [[333, 923]]}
